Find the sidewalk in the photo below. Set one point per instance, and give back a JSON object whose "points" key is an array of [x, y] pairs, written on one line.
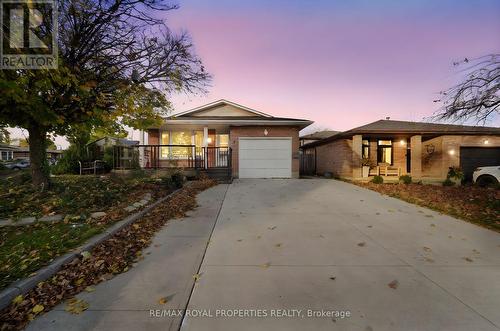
{"points": [[124, 302]]}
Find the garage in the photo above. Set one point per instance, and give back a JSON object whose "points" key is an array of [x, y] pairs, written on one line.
{"points": [[265, 157], [474, 157]]}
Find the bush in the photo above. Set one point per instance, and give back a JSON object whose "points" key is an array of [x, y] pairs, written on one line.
{"points": [[448, 182], [68, 164], [406, 179], [177, 179], [455, 173], [378, 180]]}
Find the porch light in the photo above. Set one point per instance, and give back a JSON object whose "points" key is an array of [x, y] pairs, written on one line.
{"points": [[451, 152], [209, 140], [402, 142], [486, 142]]}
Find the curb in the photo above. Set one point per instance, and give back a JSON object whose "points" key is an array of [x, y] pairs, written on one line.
{"points": [[25, 285]]}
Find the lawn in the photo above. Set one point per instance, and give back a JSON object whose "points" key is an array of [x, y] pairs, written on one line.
{"points": [[471, 203], [74, 195], [25, 249]]}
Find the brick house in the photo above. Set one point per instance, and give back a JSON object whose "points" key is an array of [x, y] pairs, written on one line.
{"points": [[393, 148], [225, 136]]}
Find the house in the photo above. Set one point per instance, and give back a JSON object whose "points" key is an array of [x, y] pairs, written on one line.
{"points": [[6, 152], [24, 153], [9, 152], [225, 135], [393, 148], [315, 136]]}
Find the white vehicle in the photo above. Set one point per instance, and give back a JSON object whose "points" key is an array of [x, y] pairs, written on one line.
{"points": [[486, 176]]}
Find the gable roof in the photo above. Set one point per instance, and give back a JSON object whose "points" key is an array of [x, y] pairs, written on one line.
{"points": [[406, 127], [391, 126], [319, 135], [219, 103]]}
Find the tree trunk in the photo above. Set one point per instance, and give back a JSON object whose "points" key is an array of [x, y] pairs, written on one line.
{"points": [[38, 156]]}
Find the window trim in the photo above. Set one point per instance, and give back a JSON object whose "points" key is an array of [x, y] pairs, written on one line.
{"points": [[391, 146], [363, 145]]}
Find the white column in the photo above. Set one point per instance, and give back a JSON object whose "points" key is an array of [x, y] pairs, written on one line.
{"points": [[205, 144], [141, 149]]}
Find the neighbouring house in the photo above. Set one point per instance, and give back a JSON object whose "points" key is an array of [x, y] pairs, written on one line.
{"points": [[6, 152], [315, 136], [225, 136], [9, 152], [425, 151]]}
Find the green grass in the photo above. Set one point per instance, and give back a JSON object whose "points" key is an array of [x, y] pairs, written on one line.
{"points": [[24, 250], [72, 195]]}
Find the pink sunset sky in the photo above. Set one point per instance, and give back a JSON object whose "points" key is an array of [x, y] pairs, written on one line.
{"points": [[340, 64]]}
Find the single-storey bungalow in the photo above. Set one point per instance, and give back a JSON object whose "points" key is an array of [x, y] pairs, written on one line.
{"points": [[225, 136], [425, 151], [9, 152]]}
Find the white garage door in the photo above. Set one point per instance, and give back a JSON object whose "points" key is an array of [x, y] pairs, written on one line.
{"points": [[265, 157]]}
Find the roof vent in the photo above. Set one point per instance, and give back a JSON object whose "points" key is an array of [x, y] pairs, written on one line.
{"points": [[387, 118]]}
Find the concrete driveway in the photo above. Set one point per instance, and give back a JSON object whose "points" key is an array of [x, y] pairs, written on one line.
{"points": [[283, 247]]}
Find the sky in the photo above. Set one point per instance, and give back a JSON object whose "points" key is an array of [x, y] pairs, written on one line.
{"points": [[341, 64]]}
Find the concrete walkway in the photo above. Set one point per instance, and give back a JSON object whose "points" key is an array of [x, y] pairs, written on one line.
{"points": [[124, 302], [325, 245]]}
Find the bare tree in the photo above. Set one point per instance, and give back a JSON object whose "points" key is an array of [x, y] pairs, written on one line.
{"points": [[478, 97]]}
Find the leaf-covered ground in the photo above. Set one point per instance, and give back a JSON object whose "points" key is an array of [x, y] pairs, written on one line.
{"points": [[471, 203], [114, 256], [67, 194], [25, 249]]}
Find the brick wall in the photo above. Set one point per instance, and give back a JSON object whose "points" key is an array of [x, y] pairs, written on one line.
{"points": [[335, 157], [258, 131]]}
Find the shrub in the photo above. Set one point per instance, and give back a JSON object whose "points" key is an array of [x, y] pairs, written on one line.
{"points": [[455, 173], [406, 179], [68, 164], [177, 179], [448, 182], [378, 180]]}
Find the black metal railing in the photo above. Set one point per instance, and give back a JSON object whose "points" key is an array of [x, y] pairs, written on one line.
{"points": [[171, 156]]}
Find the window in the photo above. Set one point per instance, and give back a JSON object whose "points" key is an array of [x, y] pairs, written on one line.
{"points": [[165, 140], [181, 138], [366, 149], [6, 155], [198, 138], [222, 140], [384, 151]]}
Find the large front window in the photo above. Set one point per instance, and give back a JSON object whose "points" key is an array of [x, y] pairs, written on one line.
{"points": [[181, 138], [165, 140], [222, 140], [384, 151]]}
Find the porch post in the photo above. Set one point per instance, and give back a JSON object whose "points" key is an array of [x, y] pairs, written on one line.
{"points": [[416, 156], [141, 149], [205, 145], [357, 154]]}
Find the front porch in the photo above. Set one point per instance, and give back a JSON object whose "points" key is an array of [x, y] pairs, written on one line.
{"points": [[389, 156]]}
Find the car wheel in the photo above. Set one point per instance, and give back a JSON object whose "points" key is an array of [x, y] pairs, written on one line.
{"points": [[487, 181], [16, 168]]}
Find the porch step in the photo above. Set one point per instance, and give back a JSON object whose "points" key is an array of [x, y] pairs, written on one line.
{"points": [[223, 175]]}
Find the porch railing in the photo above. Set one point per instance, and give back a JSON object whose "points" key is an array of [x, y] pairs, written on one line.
{"points": [[171, 156]]}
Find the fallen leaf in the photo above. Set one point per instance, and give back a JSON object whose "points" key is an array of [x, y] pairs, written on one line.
{"points": [[333, 278], [196, 277], [468, 259], [89, 289], [163, 301], [265, 265], [76, 306], [272, 227], [427, 249], [361, 244], [394, 284], [38, 309], [86, 255], [278, 245], [18, 299]]}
